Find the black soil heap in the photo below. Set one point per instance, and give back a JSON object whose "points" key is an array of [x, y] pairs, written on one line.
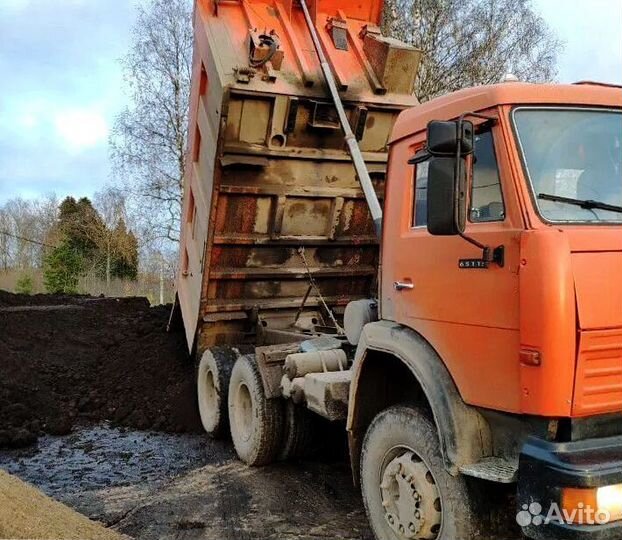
{"points": [[65, 359]]}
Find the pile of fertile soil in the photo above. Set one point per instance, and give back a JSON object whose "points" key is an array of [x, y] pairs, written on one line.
{"points": [[67, 358]]}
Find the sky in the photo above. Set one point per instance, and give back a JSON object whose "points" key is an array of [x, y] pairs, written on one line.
{"points": [[61, 86], [61, 83]]}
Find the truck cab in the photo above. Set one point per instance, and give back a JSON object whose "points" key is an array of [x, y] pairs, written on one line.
{"points": [[518, 308]]}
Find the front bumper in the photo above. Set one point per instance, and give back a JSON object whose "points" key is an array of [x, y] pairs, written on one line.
{"points": [[546, 467]]}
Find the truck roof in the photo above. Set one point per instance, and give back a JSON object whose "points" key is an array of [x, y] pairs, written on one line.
{"points": [[484, 97]]}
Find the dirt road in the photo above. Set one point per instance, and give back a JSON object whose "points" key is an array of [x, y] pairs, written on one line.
{"points": [[152, 485], [184, 486]]}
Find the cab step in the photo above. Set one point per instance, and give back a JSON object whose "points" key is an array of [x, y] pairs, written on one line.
{"points": [[493, 469]]}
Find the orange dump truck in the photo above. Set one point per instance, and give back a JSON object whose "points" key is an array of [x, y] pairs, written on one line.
{"points": [[482, 343]]}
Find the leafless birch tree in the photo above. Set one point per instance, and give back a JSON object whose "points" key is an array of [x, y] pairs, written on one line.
{"points": [[472, 42], [148, 142]]}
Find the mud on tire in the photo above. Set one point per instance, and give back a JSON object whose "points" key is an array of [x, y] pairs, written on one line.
{"points": [[213, 374], [300, 427], [256, 422], [401, 456]]}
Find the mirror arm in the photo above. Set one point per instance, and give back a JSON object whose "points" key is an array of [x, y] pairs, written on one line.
{"points": [[489, 255], [470, 240], [419, 157], [490, 120]]}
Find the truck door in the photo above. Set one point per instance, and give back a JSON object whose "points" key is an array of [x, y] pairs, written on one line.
{"points": [[433, 285]]}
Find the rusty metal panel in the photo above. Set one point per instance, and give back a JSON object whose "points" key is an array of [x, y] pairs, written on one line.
{"points": [[271, 198], [394, 62]]}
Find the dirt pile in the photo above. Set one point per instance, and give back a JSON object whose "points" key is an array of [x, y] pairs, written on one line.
{"points": [[63, 359], [27, 513]]}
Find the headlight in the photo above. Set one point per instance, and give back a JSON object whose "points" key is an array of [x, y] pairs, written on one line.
{"points": [[596, 506], [609, 498]]}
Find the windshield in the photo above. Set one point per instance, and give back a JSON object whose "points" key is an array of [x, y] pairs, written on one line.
{"points": [[574, 155]]}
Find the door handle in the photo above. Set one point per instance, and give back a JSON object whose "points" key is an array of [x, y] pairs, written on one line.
{"points": [[403, 285]]}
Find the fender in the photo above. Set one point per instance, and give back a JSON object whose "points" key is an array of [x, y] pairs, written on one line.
{"points": [[464, 434]]}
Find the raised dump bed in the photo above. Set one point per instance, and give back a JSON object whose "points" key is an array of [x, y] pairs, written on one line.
{"points": [[276, 228]]}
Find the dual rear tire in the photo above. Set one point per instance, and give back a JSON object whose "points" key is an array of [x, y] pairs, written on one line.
{"points": [[256, 422], [232, 402], [213, 375]]}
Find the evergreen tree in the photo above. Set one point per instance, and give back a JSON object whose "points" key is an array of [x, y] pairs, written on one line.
{"points": [[88, 244], [82, 225], [125, 260], [62, 269]]}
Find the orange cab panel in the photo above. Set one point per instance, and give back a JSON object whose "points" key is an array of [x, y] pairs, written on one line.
{"points": [[547, 322], [598, 281], [470, 316], [599, 373]]}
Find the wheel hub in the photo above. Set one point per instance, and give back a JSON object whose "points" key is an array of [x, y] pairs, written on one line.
{"points": [[209, 388], [410, 498], [244, 411]]}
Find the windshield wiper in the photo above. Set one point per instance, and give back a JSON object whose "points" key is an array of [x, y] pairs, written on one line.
{"points": [[583, 203]]}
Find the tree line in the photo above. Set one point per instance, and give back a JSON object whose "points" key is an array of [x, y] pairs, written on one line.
{"points": [[85, 243], [67, 240]]}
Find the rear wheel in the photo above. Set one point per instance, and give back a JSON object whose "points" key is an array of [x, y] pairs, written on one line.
{"points": [[298, 432], [213, 387], [256, 422], [407, 492]]}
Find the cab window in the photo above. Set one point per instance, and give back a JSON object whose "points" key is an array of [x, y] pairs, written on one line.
{"points": [[486, 196], [420, 203]]}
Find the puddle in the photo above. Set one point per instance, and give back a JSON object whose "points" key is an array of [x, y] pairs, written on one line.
{"points": [[101, 456]]}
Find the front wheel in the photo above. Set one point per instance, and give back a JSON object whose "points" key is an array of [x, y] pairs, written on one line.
{"points": [[407, 492]]}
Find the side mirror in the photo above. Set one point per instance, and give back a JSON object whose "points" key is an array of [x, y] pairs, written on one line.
{"points": [[446, 196], [444, 138], [448, 144]]}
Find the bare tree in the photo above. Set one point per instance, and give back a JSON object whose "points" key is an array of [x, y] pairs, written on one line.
{"points": [[148, 142], [471, 42], [25, 227], [110, 203]]}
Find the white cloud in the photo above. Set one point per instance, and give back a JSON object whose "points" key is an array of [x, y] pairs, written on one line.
{"points": [[81, 128], [61, 87]]}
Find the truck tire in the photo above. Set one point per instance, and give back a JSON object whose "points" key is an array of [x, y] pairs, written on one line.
{"points": [[213, 376], [298, 432], [256, 422], [401, 459]]}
